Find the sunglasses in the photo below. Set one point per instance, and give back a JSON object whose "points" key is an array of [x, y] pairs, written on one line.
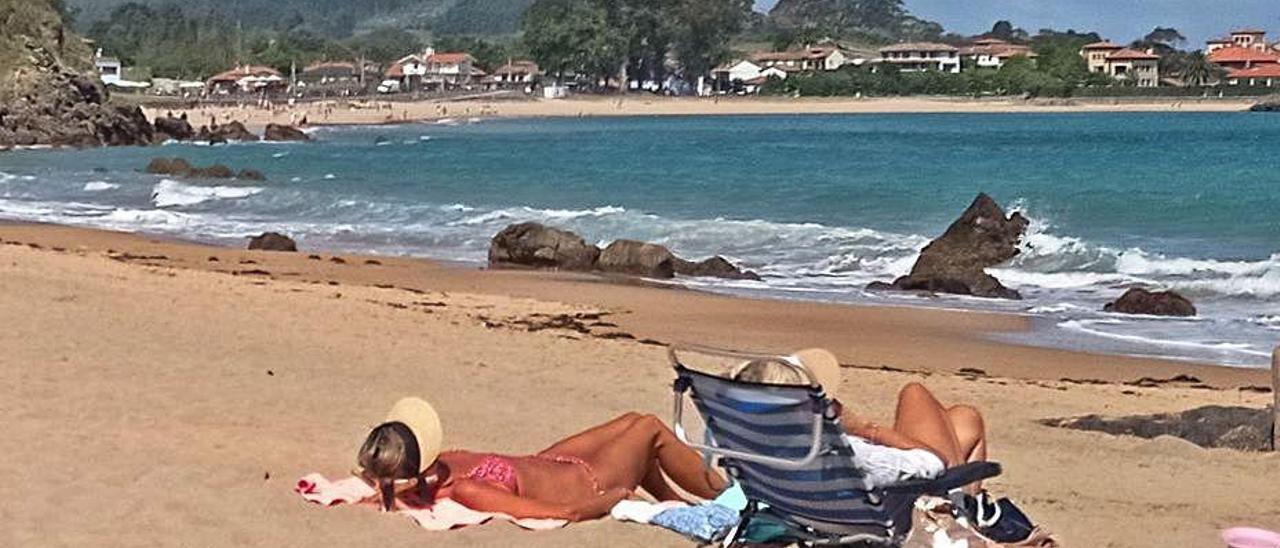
{"points": [[389, 488]]}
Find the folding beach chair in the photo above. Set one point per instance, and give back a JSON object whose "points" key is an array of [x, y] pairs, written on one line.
{"points": [[786, 448]]}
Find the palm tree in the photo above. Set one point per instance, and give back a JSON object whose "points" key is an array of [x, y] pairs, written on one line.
{"points": [[1198, 71]]}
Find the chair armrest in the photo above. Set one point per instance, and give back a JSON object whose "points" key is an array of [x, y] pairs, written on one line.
{"points": [[951, 479]]}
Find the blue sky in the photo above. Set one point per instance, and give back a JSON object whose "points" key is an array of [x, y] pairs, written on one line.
{"points": [[1119, 20]]}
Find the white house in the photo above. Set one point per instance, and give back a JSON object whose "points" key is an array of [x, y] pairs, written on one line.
{"points": [[994, 52], [921, 56], [808, 59], [408, 71], [450, 69], [109, 69]]}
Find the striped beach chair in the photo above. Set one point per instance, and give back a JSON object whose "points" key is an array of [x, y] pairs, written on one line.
{"points": [[786, 448]]}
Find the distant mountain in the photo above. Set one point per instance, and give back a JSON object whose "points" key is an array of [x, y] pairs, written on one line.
{"points": [[341, 18]]}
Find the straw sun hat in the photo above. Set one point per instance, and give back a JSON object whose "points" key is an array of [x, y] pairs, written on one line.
{"points": [[424, 422], [824, 366]]}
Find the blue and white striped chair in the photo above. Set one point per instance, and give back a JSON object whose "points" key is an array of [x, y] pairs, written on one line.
{"points": [[786, 448]]}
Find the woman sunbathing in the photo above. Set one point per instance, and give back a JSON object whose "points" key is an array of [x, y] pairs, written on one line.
{"points": [[925, 439], [579, 478]]}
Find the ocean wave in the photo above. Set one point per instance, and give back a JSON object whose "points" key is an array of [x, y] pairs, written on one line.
{"points": [[170, 193], [99, 186], [1088, 327]]}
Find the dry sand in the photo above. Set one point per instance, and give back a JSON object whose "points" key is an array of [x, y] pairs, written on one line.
{"points": [[381, 112], [155, 396]]}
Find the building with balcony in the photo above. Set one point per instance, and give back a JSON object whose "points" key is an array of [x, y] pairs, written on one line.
{"points": [[922, 56]]}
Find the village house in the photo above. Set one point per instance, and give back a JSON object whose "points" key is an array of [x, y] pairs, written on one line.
{"points": [[1242, 58], [1261, 75], [110, 70], [516, 74], [819, 58], [451, 69], [921, 56], [406, 73], [994, 52], [743, 76], [1140, 67], [247, 79], [1095, 54], [331, 72], [1254, 39]]}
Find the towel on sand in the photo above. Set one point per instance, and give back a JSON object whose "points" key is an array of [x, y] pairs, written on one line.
{"points": [[445, 514]]}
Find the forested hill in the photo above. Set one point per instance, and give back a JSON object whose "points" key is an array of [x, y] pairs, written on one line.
{"points": [[337, 18], [871, 20]]}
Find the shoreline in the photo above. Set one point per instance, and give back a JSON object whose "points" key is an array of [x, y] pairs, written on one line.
{"points": [[341, 113], [972, 332], [232, 373]]}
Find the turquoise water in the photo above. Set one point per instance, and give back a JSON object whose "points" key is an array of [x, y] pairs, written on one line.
{"points": [[820, 205]]}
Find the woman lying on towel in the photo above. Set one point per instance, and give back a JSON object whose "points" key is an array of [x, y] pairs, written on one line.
{"points": [[579, 478]]}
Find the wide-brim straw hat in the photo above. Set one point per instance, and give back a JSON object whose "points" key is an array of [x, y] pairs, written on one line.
{"points": [[424, 422], [823, 365]]}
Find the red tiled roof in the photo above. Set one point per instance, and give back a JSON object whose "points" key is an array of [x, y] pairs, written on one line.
{"points": [[989, 42], [794, 55], [918, 46], [518, 67], [1243, 55], [396, 71], [451, 58], [1128, 53], [1261, 71], [1105, 44]]}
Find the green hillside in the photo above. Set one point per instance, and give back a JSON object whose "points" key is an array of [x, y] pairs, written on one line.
{"points": [[337, 18]]}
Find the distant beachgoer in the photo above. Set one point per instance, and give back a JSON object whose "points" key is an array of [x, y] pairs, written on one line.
{"points": [[578, 478]]}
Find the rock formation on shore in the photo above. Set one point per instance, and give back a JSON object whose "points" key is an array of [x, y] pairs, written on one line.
{"points": [[48, 95], [538, 246], [1268, 104], [273, 241], [221, 133], [956, 262], [180, 167], [637, 259], [281, 132], [169, 127], [1138, 300]]}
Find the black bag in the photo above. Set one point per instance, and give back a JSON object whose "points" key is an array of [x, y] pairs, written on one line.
{"points": [[1001, 520]]}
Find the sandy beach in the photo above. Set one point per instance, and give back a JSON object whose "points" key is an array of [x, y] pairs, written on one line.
{"points": [[382, 112], [168, 393]]}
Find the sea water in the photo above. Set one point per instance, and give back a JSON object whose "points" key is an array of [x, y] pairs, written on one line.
{"points": [[819, 205]]}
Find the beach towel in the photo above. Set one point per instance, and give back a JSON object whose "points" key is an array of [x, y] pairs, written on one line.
{"points": [[1249, 537], [641, 511], [445, 514]]}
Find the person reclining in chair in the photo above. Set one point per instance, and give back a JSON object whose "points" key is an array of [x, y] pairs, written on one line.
{"points": [[925, 439]]}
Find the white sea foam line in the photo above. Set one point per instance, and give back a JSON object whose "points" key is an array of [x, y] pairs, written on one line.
{"points": [[1080, 327], [171, 193]]}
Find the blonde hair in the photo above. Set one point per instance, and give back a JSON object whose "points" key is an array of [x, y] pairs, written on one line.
{"points": [[767, 371]]}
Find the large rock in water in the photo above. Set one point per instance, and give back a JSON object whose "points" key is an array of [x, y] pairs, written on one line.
{"points": [[715, 267], [638, 259], [956, 262], [273, 241], [1162, 303], [221, 133], [179, 167], [280, 132], [178, 129], [538, 246]]}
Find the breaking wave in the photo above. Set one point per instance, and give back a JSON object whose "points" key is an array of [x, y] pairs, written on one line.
{"points": [[170, 193]]}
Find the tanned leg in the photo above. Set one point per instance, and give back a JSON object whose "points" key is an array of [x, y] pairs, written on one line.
{"points": [[627, 460], [656, 484], [921, 417], [585, 443], [971, 432]]}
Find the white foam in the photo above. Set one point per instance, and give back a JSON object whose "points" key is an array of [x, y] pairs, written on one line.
{"points": [[330, 176], [170, 193], [99, 186], [1085, 326]]}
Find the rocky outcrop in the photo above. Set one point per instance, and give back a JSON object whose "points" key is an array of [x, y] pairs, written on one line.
{"points": [[281, 132], [222, 133], [1160, 303], [715, 267], [177, 129], [67, 109], [48, 92], [179, 167], [637, 259], [956, 262], [273, 241], [538, 246], [1239, 428], [1271, 104]]}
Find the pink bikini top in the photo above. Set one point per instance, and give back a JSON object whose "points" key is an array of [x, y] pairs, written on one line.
{"points": [[496, 469]]}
